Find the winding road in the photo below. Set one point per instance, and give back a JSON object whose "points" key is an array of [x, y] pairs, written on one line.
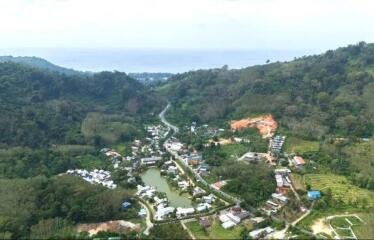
{"points": [[163, 119], [147, 220], [175, 154]]}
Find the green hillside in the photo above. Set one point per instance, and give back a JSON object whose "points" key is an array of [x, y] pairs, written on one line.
{"points": [[311, 96], [40, 108], [41, 63]]}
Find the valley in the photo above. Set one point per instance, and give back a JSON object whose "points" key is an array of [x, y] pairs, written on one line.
{"points": [[281, 150]]}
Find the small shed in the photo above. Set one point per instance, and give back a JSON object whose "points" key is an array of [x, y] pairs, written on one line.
{"points": [[314, 195]]}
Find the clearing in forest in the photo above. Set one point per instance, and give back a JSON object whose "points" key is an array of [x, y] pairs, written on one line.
{"points": [[265, 124], [119, 226]]}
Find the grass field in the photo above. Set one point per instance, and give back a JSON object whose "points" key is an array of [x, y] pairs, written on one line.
{"points": [[297, 181], [236, 149], [340, 222], [298, 145], [216, 231], [344, 233], [340, 187]]}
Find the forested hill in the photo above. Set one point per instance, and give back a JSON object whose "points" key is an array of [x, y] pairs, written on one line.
{"points": [[311, 96], [41, 63], [39, 107]]}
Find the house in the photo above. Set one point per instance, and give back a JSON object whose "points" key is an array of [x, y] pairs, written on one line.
{"points": [[167, 163], [223, 218], [228, 224], [273, 204], [126, 205], [314, 195], [163, 212], [158, 200], [279, 180], [258, 233], [203, 207], [298, 161], [142, 213], [142, 189], [219, 185], [183, 184], [197, 190], [283, 190], [243, 215], [104, 150], [282, 180], [172, 170], [282, 171], [209, 199], [182, 212], [176, 147], [204, 167], [233, 218], [279, 197], [257, 219], [251, 156], [150, 160], [235, 210], [131, 180], [193, 159], [205, 222]]}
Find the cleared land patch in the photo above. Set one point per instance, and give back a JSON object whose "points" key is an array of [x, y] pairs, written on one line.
{"points": [[298, 145], [341, 188], [265, 124], [216, 231]]}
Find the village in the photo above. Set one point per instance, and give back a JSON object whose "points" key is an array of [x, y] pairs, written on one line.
{"points": [[185, 170]]}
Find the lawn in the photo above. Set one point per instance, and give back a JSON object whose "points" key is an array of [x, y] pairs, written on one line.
{"points": [[298, 145], [341, 188], [344, 233], [121, 149], [236, 150], [216, 231], [340, 222]]}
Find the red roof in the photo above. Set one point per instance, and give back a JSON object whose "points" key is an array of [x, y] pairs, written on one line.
{"points": [[299, 160]]}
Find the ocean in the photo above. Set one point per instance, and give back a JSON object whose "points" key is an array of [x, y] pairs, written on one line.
{"points": [[155, 60]]}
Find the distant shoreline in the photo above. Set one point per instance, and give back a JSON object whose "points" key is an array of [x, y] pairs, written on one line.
{"points": [[155, 60]]}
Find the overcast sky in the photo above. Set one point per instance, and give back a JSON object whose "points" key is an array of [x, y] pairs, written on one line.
{"points": [[185, 24]]}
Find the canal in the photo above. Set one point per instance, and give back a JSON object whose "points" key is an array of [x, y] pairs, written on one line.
{"points": [[153, 178]]}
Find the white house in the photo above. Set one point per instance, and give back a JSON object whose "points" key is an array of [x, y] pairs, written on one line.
{"points": [[182, 212], [228, 224], [203, 206], [261, 232], [163, 212]]}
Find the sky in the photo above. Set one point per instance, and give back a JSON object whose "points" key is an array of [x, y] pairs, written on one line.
{"points": [[187, 24]]}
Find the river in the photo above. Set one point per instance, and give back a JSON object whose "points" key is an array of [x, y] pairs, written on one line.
{"points": [[153, 178]]}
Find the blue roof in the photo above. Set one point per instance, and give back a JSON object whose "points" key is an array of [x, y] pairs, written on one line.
{"points": [[126, 204], [314, 195]]}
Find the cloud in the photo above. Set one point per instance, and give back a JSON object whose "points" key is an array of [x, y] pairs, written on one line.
{"points": [[277, 24]]}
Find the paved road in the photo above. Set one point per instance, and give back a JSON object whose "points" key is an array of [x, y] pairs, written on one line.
{"points": [[162, 117], [175, 154], [148, 219]]}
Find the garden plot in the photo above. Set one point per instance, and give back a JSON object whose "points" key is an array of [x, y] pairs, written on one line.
{"points": [[341, 188], [342, 225]]}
